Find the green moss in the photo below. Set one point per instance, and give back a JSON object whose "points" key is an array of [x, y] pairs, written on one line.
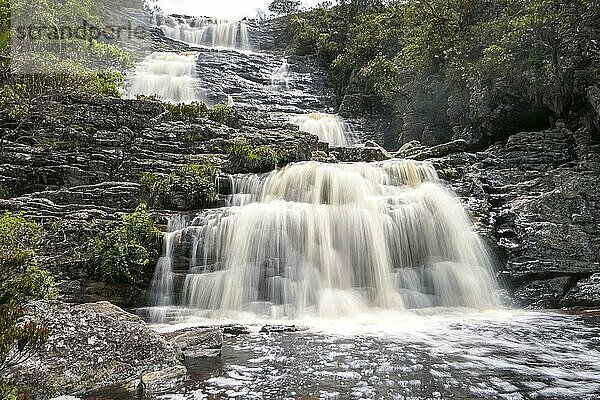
{"points": [[244, 158], [124, 252]]}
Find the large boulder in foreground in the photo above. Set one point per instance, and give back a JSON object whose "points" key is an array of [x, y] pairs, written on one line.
{"points": [[92, 346]]}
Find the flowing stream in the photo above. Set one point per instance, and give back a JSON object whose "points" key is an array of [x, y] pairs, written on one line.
{"points": [[395, 294]]}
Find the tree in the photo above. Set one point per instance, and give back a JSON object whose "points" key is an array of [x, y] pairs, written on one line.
{"points": [[284, 7]]}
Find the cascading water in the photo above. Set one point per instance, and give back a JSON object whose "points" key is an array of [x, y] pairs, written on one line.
{"points": [[170, 76], [214, 32], [281, 76], [328, 127], [330, 241]]}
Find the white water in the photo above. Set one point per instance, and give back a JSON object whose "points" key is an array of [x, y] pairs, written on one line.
{"points": [[331, 241], [170, 76], [328, 127], [214, 32], [281, 76]]}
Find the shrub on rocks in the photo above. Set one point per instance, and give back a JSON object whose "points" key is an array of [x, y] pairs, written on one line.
{"points": [[21, 280], [124, 253], [244, 158]]}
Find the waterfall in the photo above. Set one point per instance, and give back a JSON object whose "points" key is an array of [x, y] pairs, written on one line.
{"points": [[170, 76], [162, 287], [280, 78], [328, 127], [331, 241], [214, 32]]}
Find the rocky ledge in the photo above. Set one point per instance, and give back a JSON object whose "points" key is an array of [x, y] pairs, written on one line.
{"points": [[96, 345], [534, 199]]}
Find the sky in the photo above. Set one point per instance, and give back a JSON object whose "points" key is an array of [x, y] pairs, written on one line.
{"points": [[231, 9]]}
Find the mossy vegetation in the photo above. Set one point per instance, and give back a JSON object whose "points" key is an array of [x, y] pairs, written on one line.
{"points": [[124, 252], [223, 114], [244, 158], [187, 111], [192, 187]]}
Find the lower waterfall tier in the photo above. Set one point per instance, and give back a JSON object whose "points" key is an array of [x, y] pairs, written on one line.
{"points": [[325, 241]]}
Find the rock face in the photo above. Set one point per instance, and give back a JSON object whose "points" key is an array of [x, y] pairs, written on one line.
{"points": [[95, 345], [92, 346], [80, 169], [534, 199]]}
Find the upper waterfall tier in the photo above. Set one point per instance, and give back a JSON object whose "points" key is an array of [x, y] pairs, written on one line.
{"points": [[329, 128], [170, 76], [328, 241], [214, 32]]}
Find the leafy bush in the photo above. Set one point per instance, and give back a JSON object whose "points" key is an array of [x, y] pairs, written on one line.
{"points": [[194, 183], [244, 158], [21, 277], [223, 114], [124, 253]]}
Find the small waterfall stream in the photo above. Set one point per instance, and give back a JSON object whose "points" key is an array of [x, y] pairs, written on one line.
{"points": [[328, 127], [214, 32], [328, 241], [170, 76]]}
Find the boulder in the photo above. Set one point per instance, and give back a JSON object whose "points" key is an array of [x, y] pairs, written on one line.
{"points": [[92, 346], [197, 342], [585, 293]]}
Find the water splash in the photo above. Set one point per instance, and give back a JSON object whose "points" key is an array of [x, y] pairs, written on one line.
{"points": [[332, 241], [328, 127], [170, 76], [214, 32]]}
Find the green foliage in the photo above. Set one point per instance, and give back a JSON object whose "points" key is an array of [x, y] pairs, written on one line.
{"points": [[194, 184], [124, 253], [187, 111], [107, 84], [411, 53], [8, 392], [223, 114], [244, 158], [284, 7], [21, 278], [13, 101]]}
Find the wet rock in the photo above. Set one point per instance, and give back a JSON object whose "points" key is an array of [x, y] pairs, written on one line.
{"points": [[360, 153], [534, 201], [279, 329], [441, 150], [91, 346], [197, 342], [542, 293], [160, 381], [235, 330], [585, 293]]}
